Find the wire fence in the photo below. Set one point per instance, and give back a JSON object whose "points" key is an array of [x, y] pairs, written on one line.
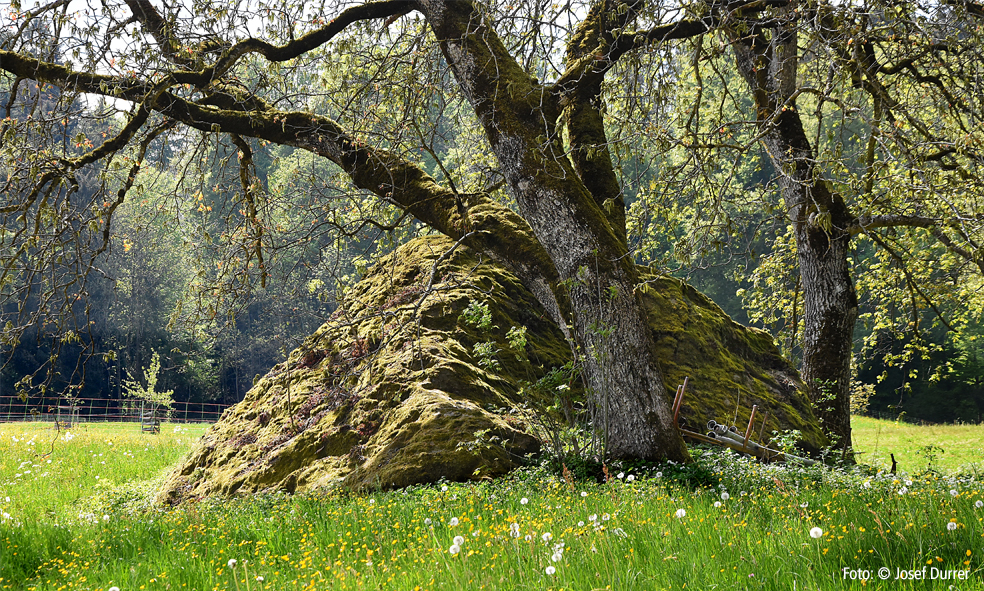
{"points": [[100, 410]]}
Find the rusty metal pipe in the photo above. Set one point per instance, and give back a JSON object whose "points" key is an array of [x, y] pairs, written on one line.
{"points": [[751, 421]]}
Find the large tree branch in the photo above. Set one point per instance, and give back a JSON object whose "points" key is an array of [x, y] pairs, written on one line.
{"points": [[601, 58], [973, 8], [157, 26], [32, 68], [871, 222], [597, 61], [494, 228], [585, 123]]}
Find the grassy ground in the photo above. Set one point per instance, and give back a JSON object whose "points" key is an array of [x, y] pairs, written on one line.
{"points": [[48, 474], [721, 523], [950, 447]]}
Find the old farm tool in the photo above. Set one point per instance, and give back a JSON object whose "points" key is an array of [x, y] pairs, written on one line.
{"points": [[724, 436]]}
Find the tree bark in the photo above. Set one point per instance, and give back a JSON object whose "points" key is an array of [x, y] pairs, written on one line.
{"points": [[590, 256], [821, 223]]}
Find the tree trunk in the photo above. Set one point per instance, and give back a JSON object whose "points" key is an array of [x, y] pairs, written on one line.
{"points": [[589, 256], [821, 223], [830, 310]]}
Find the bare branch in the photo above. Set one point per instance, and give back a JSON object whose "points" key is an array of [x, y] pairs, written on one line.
{"points": [[865, 223]]}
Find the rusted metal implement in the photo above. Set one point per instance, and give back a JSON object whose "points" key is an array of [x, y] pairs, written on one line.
{"points": [[722, 435]]}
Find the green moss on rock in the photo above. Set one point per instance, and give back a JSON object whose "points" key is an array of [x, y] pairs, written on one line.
{"points": [[389, 392]]}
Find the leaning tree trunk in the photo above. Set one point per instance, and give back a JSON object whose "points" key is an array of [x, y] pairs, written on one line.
{"points": [[593, 273], [821, 223]]}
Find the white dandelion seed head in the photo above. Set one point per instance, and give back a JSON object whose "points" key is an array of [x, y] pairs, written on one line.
{"points": [[816, 533], [908, 483], [232, 563], [454, 549], [580, 524], [444, 488], [717, 504], [523, 501], [428, 521], [547, 537], [606, 517], [528, 537], [659, 475], [259, 578], [630, 478], [951, 526], [113, 589], [550, 570], [804, 505], [621, 475], [453, 522], [593, 517], [725, 496], [953, 492], [458, 540], [681, 513], [979, 504], [584, 493], [903, 490]]}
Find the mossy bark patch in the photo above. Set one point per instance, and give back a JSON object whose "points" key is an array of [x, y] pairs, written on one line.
{"points": [[390, 392]]}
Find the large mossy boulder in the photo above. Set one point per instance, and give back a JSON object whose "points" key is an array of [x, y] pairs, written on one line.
{"points": [[391, 391]]}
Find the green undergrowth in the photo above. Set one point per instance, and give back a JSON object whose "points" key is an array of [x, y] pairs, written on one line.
{"points": [[723, 522]]}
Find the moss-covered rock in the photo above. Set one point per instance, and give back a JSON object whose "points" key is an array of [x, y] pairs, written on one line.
{"points": [[391, 391]]}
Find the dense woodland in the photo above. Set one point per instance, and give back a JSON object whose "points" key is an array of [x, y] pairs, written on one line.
{"points": [[163, 192]]}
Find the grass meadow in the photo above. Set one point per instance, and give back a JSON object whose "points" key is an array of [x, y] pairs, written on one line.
{"points": [[75, 514], [950, 447]]}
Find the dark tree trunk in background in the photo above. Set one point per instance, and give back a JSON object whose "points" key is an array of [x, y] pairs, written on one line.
{"points": [[821, 224]]}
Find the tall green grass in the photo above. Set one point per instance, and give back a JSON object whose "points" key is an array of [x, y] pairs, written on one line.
{"points": [[723, 522], [948, 447], [48, 474]]}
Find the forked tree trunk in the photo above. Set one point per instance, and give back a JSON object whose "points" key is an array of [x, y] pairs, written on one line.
{"points": [[595, 277]]}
